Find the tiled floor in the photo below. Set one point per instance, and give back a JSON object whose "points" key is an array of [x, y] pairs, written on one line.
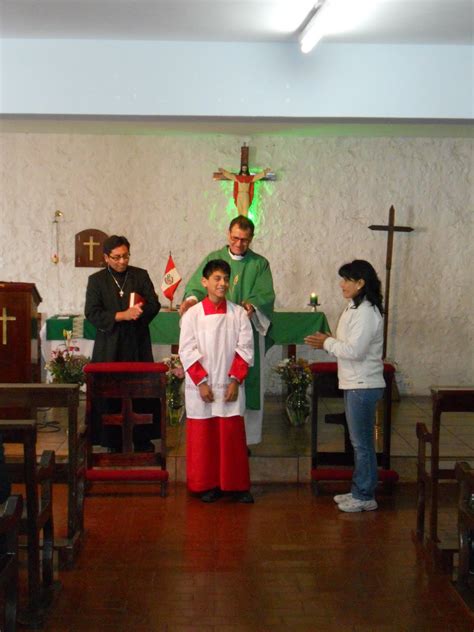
{"points": [[290, 563], [284, 452]]}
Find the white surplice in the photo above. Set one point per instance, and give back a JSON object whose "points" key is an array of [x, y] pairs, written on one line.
{"points": [[213, 340]]}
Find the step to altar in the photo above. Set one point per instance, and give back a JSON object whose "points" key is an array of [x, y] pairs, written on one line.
{"points": [[286, 469]]}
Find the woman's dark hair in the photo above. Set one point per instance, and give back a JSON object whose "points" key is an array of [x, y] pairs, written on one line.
{"points": [[213, 265], [372, 290], [114, 241]]}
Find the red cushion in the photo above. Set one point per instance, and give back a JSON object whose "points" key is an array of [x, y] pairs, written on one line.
{"points": [[126, 475], [126, 367], [334, 474], [323, 367]]}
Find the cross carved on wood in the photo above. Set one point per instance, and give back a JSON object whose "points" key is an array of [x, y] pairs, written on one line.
{"points": [[89, 248], [391, 229], [243, 181]]}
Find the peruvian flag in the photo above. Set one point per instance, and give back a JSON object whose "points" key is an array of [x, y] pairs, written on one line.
{"points": [[171, 280]]}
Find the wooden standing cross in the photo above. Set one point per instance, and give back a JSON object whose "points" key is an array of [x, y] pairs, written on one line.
{"points": [[391, 229], [244, 160]]}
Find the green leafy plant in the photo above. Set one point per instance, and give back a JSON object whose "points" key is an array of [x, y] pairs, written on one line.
{"points": [[66, 365]]}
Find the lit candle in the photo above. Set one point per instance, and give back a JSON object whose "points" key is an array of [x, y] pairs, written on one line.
{"points": [[313, 299]]}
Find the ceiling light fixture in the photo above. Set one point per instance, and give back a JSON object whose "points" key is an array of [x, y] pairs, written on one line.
{"points": [[334, 16]]}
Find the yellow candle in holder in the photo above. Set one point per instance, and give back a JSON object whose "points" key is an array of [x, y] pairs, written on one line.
{"points": [[313, 299]]}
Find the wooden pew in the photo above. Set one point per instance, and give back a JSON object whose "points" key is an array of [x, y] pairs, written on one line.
{"points": [[465, 575], [9, 526], [72, 472], [444, 399], [37, 519]]}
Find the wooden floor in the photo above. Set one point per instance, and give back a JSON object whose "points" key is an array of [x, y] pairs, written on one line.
{"points": [[291, 562]]}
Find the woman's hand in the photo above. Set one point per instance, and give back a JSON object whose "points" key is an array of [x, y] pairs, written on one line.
{"points": [[316, 340]]}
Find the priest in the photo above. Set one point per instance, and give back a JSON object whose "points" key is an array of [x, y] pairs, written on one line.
{"points": [[251, 285], [122, 334]]}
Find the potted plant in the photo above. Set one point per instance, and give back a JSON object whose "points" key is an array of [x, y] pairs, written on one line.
{"points": [[297, 376], [66, 365]]}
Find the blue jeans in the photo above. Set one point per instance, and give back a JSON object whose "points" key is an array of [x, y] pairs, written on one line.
{"points": [[360, 405]]}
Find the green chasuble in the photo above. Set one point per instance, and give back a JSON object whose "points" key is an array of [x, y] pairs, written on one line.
{"points": [[251, 281]]}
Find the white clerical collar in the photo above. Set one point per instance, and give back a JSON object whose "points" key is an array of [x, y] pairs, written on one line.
{"points": [[235, 257]]}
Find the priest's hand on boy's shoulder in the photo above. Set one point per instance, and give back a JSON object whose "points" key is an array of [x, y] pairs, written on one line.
{"points": [[232, 391], [205, 391], [186, 304], [249, 308]]}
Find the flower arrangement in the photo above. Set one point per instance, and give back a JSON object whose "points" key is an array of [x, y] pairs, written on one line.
{"points": [[297, 376], [174, 395], [295, 373], [66, 365]]}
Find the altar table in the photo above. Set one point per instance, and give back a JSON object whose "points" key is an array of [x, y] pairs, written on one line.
{"points": [[288, 328]]}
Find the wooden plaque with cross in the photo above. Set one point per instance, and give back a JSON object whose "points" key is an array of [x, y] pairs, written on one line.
{"points": [[88, 252]]}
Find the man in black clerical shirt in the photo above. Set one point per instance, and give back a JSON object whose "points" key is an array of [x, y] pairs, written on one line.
{"points": [[122, 334]]}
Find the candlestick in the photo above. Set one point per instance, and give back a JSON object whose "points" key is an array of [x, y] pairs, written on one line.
{"points": [[313, 299]]}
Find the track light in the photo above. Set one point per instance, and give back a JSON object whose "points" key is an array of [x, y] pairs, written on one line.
{"points": [[334, 16]]}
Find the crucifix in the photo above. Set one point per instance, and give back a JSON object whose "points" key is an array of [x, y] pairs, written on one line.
{"points": [[91, 243], [391, 229], [243, 181], [4, 318]]}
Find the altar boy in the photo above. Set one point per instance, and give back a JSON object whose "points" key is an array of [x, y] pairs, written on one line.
{"points": [[216, 349]]}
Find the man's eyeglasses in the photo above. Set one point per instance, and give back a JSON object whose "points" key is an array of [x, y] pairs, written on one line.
{"points": [[242, 240], [118, 257]]}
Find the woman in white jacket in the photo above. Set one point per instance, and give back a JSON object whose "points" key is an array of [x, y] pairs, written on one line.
{"points": [[358, 346]]}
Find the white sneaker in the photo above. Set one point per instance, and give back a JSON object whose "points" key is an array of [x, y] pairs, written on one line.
{"points": [[351, 506], [342, 498]]}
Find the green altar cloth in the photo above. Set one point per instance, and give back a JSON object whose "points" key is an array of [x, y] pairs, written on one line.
{"points": [[287, 327]]}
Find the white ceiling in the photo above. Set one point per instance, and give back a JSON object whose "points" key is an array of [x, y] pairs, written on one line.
{"points": [[394, 21]]}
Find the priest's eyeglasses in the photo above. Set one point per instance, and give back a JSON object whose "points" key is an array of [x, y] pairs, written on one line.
{"points": [[118, 257]]}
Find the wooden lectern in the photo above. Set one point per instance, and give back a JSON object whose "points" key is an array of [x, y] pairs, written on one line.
{"points": [[20, 356]]}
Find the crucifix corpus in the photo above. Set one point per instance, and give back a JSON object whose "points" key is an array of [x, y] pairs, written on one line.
{"points": [[391, 229], [243, 181]]}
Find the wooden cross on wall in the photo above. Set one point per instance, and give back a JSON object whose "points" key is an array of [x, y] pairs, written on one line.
{"points": [[244, 161], [391, 229], [88, 251]]}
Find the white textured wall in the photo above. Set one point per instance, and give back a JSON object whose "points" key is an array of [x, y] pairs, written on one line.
{"points": [[158, 190]]}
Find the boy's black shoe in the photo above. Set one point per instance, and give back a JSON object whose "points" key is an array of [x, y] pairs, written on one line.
{"points": [[244, 497], [211, 495]]}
